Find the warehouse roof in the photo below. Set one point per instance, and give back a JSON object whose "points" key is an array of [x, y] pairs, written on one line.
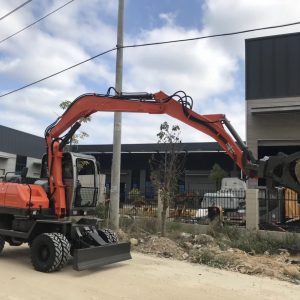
{"points": [[150, 148], [23, 143]]}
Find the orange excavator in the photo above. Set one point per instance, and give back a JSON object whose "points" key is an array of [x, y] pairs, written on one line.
{"points": [[43, 214]]}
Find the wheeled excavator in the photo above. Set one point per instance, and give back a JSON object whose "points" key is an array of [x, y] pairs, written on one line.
{"points": [[54, 215]]}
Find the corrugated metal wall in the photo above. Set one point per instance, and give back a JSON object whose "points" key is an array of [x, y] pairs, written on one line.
{"points": [[21, 143], [273, 67]]}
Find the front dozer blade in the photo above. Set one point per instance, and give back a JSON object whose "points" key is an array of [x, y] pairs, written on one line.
{"points": [[99, 256]]}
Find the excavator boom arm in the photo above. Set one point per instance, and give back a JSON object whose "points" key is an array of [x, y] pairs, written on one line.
{"points": [[159, 103]]}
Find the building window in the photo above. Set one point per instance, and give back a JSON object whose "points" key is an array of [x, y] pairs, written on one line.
{"points": [[135, 179], [21, 162], [149, 190], [181, 186]]}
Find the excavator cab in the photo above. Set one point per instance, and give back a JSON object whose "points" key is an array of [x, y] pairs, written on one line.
{"points": [[80, 176], [81, 179]]}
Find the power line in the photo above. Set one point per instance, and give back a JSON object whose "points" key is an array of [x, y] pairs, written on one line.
{"points": [[148, 44], [212, 35], [17, 8], [40, 19], [59, 72]]}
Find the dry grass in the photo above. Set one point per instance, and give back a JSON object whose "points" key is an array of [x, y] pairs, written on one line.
{"points": [[225, 247], [251, 241]]}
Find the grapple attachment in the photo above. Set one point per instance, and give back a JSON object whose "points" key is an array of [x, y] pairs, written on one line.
{"points": [[99, 256], [283, 170]]}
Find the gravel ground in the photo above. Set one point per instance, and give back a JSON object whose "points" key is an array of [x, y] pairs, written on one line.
{"points": [[144, 277], [203, 249]]}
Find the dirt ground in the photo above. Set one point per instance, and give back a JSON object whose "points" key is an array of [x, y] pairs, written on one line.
{"points": [[144, 277], [207, 252]]}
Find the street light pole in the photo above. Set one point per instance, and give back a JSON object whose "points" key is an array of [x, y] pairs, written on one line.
{"points": [[116, 160]]}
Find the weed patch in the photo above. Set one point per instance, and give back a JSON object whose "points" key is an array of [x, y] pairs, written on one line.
{"points": [[213, 258], [251, 241]]}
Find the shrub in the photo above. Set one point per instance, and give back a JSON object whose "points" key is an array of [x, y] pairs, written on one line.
{"points": [[252, 241], [102, 211], [136, 226], [214, 259], [136, 197]]}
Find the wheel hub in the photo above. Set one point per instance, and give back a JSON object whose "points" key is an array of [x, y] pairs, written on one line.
{"points": [[44, 253]]}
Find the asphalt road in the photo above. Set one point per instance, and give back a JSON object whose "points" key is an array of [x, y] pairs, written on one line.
{"points": [[144, 277]]}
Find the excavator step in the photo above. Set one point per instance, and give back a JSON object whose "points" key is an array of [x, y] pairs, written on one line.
{"points": [[99, 256]]}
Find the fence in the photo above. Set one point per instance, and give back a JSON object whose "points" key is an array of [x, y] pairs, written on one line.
{"points": [[138, 204], [279, 210], [189, 207]]}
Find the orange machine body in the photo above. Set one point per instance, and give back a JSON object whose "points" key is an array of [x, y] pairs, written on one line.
{"points": [[24, 196]]}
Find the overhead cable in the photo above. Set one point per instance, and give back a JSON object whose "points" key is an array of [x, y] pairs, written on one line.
{"points": [[211, 36], [17, 8], [148, 44], [59, 72], [35, 22]]}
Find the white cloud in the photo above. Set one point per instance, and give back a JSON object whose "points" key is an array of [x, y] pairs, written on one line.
{"points": [[44, 50], [198, 68], [227, 16], [208, 69], [169, 18], [195, 67]]}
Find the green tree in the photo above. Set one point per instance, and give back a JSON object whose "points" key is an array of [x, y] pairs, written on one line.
{"points": [[217, 174], [166, 168], [81, 134]]}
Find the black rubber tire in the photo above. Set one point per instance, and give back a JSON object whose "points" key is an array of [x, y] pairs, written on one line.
{"points": [[46, 252], [2, 242], [66, 249], [108, 235]]}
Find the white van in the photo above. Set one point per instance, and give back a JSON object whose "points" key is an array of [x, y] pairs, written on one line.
{"points": [[231, 196]]}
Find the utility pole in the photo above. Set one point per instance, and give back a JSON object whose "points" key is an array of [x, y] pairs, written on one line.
{"points": [[116, 161]]}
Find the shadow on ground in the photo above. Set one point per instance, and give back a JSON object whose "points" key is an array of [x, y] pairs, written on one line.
{"points": [[21, 255]]}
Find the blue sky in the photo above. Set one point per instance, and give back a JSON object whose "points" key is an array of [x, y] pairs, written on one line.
{"points": [[145, 14], [211, 71]]}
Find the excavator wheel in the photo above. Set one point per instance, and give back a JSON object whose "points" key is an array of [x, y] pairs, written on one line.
{"points": [[108, 236], [66, 249], [46, 252], [2, 242]]}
